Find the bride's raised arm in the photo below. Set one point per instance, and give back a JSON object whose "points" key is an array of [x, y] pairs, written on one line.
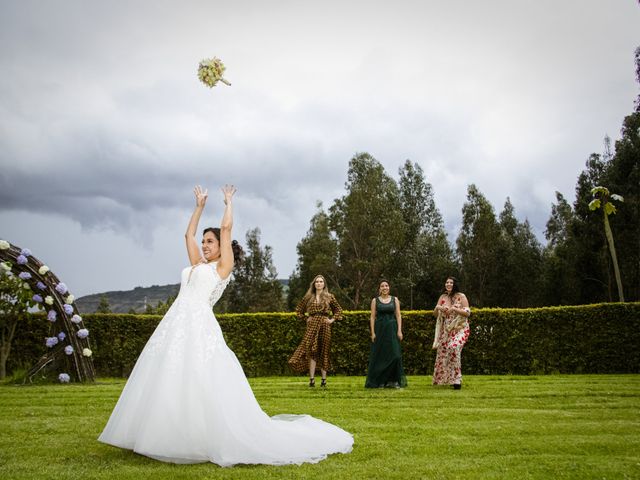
{"points": [[193, 250], [225, 265]]}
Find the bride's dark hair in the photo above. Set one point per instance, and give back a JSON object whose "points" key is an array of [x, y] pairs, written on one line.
{"points": [[238, 252]]}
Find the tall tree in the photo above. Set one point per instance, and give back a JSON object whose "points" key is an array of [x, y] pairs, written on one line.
{"points": [[558, 266], [317, 255], [368, 227], [519, 266], [559, 224], [255, 286], [637, 60], [590, 250], [427, 258], [623, 177], [478, 248], [604, 199]]}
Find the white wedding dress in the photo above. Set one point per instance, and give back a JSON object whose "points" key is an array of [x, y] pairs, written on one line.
{"points": [[188, 401]]}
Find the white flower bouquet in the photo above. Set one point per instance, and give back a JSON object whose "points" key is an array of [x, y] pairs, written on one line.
{"points": [[210, 72]]}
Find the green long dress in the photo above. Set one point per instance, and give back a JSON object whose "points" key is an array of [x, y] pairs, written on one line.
{"points": [[385, 359]]}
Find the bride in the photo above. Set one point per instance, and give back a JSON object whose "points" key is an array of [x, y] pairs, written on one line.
{"points": [[187, 399]]}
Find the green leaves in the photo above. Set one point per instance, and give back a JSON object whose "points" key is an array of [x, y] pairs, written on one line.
{"points": [[602, 198], [609, 208], [599, 190]]}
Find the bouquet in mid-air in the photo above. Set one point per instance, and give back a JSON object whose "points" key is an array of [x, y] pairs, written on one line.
{"points": [[210, 72]]}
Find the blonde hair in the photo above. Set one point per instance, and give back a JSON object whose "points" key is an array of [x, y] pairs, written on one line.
{"points": [[325, 296]]}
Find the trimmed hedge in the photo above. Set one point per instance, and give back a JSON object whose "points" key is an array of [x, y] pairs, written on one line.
{"points": [[603, 338]]}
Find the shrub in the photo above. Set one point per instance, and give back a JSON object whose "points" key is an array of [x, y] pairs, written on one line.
{"points": [[603, 338]]}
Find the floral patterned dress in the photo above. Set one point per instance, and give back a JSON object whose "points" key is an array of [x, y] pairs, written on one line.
{"points": [[452, 332], [316, 342]]}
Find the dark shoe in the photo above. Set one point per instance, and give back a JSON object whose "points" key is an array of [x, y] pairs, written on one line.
{"points": [[457, 386], [323, 383], [312, 382]]}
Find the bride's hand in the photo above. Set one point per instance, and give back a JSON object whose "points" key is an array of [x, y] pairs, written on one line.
{"points": [[201, 195], [228, 191]]}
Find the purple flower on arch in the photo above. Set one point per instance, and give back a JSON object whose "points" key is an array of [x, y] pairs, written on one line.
{"points": [[26, 252], [68, 349], [52, 316], [62, 336], [41, 286], [64, 378], [51, 341], [24, 275], [61, 288], [37, 298], [82, 333], [68, 309], [76, 319], [21, 260]]}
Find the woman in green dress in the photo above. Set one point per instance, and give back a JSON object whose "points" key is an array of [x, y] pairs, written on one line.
{"points": [[385, 359]]}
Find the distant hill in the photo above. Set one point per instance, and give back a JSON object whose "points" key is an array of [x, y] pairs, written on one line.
{"points": [[137, 299], [125, 300]]}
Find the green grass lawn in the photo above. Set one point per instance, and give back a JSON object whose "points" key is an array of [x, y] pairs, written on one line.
{"points": [[573, 426]]}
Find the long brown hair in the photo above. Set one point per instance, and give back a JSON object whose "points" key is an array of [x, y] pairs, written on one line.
{"points": [[325, 296]]}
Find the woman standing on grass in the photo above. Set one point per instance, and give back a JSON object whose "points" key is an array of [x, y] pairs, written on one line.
{"points": [[319, 309], [385, 358], [452, 332], [187, 399]]}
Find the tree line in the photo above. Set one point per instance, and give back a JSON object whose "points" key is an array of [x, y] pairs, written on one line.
{"points": [[386, 228]]}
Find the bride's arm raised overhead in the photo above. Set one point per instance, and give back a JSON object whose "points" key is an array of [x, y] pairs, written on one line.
{"points": [[193, 250], [225, 265]]}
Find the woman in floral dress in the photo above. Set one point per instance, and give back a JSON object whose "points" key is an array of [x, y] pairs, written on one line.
{"points": [[452, 332], [320, 309]]}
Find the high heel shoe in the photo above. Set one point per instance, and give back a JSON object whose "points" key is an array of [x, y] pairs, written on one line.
{"points": [[323, 383], [312, 382]]}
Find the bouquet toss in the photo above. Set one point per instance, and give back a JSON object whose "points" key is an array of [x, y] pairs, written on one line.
{"points": [[210, 72]]}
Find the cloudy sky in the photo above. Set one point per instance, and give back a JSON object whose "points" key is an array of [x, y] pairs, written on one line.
{"points": [[105, 128]]}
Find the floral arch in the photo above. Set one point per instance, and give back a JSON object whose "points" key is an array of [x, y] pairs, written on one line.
{"points": [[68, 349]]}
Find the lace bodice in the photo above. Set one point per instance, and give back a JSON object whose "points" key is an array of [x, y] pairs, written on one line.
{"points": [[202, 283]]}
